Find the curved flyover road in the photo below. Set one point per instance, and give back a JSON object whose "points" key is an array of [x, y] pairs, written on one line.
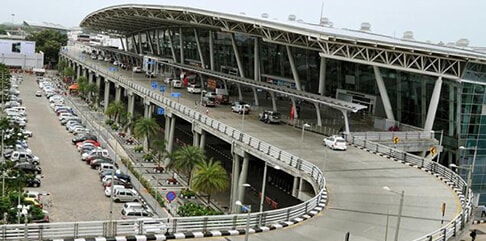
{"points": [[357, 201]]}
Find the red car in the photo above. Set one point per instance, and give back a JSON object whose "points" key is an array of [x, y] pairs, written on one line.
{"points": [[97, 144]]}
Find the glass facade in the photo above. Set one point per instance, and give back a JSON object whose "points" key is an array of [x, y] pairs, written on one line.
{"points": [[459, 113]]}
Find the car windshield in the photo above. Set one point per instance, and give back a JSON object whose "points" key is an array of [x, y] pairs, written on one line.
{"points": [[340, 140]]}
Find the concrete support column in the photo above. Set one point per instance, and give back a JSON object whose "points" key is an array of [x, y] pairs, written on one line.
{"points": [[78, 71], [238, 62], [172, 50], [235, 176], [171, 134], [295, 73], [322, 77], [202, 141], [274, 102], [181, 45], [346, 121], [148, 110], [90, 77], [301, 181], [118, 90], [295, 187], [384, 95], [199, 49], [211, 50], [256, 60], [107, 95], [167, 139], [131, 103], [318, 113], [434, 101], [243, 177], [195, 138], [451, 110]]}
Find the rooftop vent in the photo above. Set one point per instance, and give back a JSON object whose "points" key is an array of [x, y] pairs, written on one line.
{"points": [[326, 23], [366, 27], [300, 20], [463, 42], [292, 17], [264, 15], [408, 35], [242, 13]]}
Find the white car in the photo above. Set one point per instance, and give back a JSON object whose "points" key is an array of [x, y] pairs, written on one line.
{"points": [[194, 89], [335, 143], [177, 83]]}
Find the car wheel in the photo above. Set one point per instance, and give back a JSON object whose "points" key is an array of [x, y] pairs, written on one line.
{"points": [[117, 200], [36, 185], [36, 172]]}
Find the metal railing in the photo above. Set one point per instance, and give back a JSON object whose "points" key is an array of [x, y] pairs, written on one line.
{"points": [[457, 224]]}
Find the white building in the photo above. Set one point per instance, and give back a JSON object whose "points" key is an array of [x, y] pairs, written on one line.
{"points": [[20, 54]]}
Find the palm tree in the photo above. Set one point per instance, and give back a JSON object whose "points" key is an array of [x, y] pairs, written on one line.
{"points": [[144, 128], [210, 178], [82, 84], [160, 151], [184, 159], [92, 90], [115, 109]]}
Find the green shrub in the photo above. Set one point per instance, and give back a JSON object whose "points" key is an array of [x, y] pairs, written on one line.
{"points": [[188, 193], [109, 122], [148, 157], [189, 209], [138, 148]]}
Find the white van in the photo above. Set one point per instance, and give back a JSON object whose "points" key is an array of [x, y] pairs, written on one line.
{"points": [[105, 167], [125, 195]]}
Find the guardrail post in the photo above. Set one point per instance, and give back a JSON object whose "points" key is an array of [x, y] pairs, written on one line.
{"points": [[235, 218], [205, 225], [174, 225], [279, 155], [288, 214], [444, 234]]}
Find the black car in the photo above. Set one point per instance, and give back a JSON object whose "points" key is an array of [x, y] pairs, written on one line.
{"points": [[33, 182], [28, 168], [84, 137], [97, 162], [118, 175]]}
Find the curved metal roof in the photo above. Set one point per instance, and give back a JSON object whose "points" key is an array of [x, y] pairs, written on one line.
{"points": [[129, 19]]}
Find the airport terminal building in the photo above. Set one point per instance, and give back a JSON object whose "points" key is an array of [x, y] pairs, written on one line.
{"points": [[389, 83]]}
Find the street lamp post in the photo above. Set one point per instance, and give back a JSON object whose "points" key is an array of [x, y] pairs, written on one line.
{"points": [[248, 210], [400, 209], [264, 184], [470, 168]]}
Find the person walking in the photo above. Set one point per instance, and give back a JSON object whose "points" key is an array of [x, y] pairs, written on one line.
{"points": [[473, 235], [483, 210]]}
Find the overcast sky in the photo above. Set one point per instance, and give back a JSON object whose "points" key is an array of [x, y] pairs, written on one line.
{"points": [[434, 20]]}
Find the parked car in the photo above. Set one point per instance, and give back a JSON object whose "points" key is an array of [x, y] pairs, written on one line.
{"points": [[19, 156], [99, 152], [100, 160], [125, 195], [129, 213], [38, 93], [84, 137], [177, 83], [28, 168], [240, 107], [335, 142], [208, 101], [150, 226], [194, 89], [137, 69], [149, 74], [33, 182], [269, 116]]}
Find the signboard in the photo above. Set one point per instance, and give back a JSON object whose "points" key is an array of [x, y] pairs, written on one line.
{"points": [[176, 94], [170, 196], [113, 69], [212, 83], [162, 88], [154, 85], [160, 111]]}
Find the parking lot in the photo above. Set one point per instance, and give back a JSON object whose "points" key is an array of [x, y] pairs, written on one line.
{"points": [[73, 188]]}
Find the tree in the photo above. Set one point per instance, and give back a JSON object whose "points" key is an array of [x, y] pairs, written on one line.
{"points": [[114, 110], [144, 128], [5, 82], [82, 84], [160, 151], [210, 178], [184, 159], [49, 42], [92, 91]]}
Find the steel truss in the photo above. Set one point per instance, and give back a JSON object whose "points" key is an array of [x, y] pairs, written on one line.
{"points": [[129, 20]]}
